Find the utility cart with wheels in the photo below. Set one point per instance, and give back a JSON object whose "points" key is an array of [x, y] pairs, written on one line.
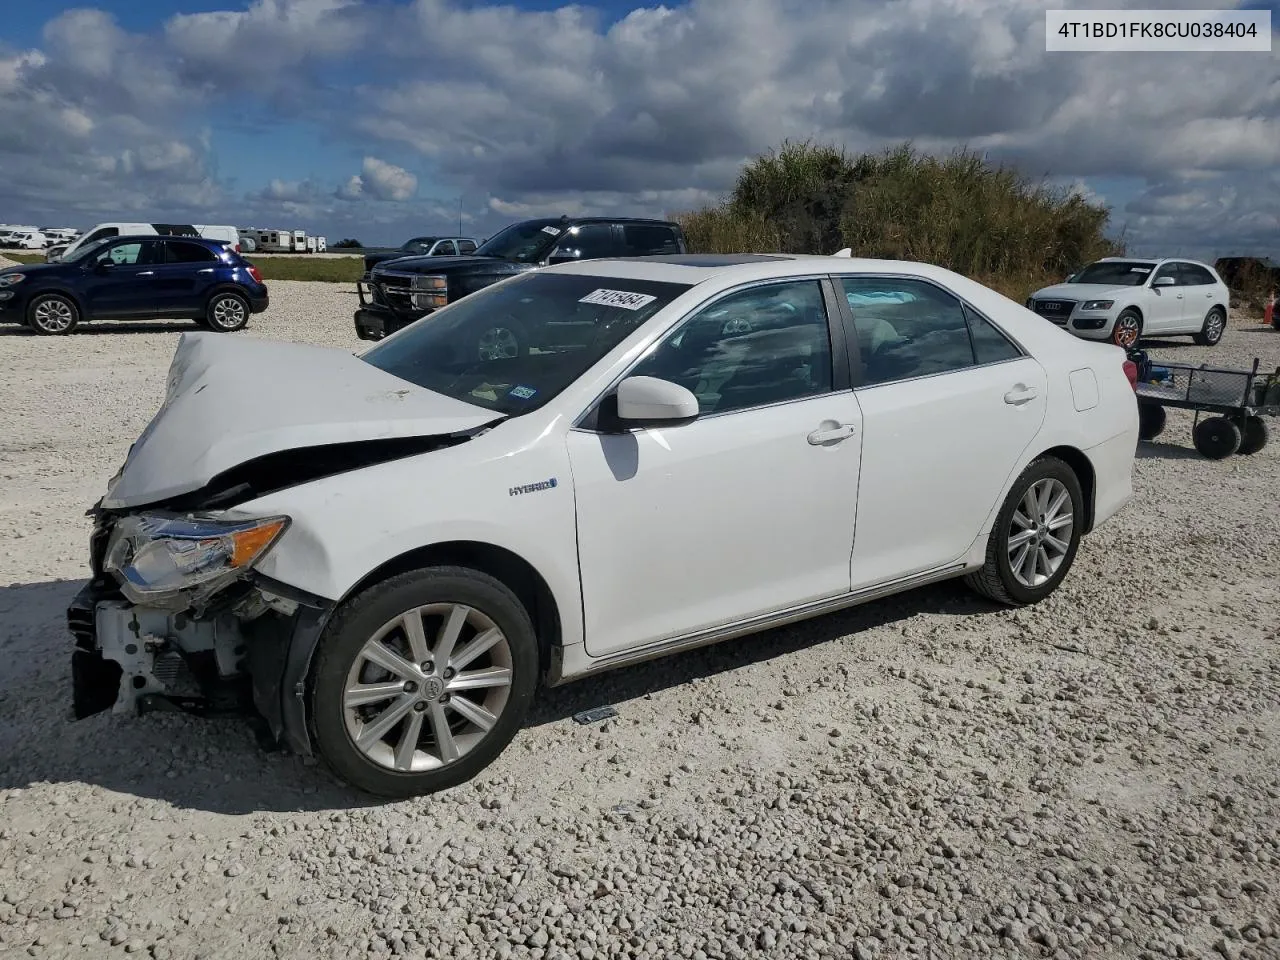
{"points": [[1235, 400]]}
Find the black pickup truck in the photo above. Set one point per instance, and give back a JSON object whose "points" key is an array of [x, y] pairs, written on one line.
{"points": [[401, 291]]}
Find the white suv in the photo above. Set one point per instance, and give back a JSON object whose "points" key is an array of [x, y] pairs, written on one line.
{"points": [[1122, 299]]}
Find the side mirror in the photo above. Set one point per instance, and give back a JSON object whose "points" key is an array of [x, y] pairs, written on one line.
{"points": [[103, 266], [648, 401], [1163, 282]]}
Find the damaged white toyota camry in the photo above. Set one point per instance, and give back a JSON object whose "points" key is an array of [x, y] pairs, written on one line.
{"points": [[380, 557]]}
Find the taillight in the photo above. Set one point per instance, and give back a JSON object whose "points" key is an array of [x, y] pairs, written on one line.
{"points": [[253, 272], [1131, 371]]}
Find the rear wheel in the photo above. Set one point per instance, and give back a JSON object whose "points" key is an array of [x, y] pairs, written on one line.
{"points": [[1035, 537], [1127, 330], [1253, 435], [1216, 438], [1215, 325], [1151, 420], [421, 681], [227, 312], [52, 314]]}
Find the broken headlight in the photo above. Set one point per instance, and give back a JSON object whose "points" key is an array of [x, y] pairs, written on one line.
{"points": [[163, 561]]}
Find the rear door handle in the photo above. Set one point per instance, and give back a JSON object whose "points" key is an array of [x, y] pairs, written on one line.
{"points": [[205, 270], [1019, 395], [832, 432], [146, 273]]}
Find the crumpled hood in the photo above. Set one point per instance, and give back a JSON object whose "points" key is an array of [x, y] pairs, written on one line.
{"points": [[231, 399], [1083, 291]]}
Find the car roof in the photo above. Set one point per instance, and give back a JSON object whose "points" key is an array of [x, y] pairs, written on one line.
{"points": [[691, 269]]}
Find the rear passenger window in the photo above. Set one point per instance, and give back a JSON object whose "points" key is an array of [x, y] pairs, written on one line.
{"points": [[466, 246], [188, 253], [1194, 276], [907, 328], [989, 344], [646, 240]]}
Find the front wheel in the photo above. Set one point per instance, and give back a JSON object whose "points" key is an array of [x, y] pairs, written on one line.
{"points": [[227, 312], [1128, 329], [1035, 537], [1215, 325], [421, 681], [1216, 438], [53, 314]]}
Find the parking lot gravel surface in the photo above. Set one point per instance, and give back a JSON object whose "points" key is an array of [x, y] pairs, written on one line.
{"points": [[1098, 776]]}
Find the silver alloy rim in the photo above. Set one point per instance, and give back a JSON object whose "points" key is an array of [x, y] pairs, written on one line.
{"points": [[228, 312], [1128, 331], [54, 315], [427, 687], [499, 343], [1213, 329], [1040, 532]]}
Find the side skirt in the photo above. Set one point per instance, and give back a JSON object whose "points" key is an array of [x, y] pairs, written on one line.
{"points": [[579, 665]]}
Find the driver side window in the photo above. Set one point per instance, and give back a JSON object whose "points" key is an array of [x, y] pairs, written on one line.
{"points": [[764, 345]]}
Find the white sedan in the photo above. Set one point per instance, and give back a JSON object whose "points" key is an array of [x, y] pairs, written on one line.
{"points": [[1122, 299], [382, 556]]}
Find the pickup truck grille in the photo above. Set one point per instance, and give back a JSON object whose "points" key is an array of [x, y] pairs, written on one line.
{"points": [[392, 290]]}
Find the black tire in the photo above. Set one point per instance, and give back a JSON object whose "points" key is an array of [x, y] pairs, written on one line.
{"points": [[359, 619], [1215, 325], [1151, 420], [504, 339], [1127, 330], [226, 312], [996, 579], [1253, 435], [52, 314], [1216, 438]]}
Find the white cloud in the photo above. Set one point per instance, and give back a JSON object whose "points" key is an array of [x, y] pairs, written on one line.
{"points": [[386, 181], [559, 111]]}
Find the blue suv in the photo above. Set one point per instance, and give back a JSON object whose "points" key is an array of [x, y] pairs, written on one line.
{"points": [[135, 278]]}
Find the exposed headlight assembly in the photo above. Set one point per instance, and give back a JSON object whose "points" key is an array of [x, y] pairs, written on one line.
{"points": [[172, 562], [1098, 305], [9, 279]]}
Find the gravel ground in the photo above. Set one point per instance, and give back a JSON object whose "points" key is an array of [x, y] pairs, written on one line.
{"points": [[926, 775]]}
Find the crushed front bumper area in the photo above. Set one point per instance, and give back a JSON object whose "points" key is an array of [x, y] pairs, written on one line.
{"points": [[247, 658]]}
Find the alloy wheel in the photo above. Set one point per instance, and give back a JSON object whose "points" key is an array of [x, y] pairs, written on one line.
{"points": [[1126, 331], [228, 313], [1040, 532], [1213, 327], [499, 343], [427, 687], [54, 316]]}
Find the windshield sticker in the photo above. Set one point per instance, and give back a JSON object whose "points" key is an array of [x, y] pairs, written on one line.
{"points": [[618, 298], [554, 231], [522, 392]]}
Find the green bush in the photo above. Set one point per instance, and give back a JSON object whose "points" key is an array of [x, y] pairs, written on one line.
{"points": [[959, 212]]}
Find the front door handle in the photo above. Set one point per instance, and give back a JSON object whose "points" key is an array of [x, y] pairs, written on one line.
{"points": [[832, 432], [1020, 394], [205, 270], [146, 273]]}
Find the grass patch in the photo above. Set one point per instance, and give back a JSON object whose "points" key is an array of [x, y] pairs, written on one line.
{"points": [[336, 270], [24, 257]]}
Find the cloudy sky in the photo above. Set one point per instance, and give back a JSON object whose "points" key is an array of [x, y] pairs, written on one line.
{"points": [[382, 118]]}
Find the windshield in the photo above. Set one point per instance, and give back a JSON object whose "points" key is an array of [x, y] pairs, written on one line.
{"points": [[515, 345], [1118, 273], [523, 242], [88, 249], [418, 244]]}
